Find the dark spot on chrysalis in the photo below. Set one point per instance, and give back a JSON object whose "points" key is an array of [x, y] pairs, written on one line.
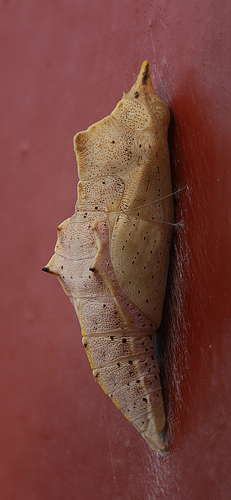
{"points": [[111, 337], [46, 269], [118, 364], [145, 399], [136, 95], [145, 75], [61, 267], [130, 362], [124, 340], [137, 381], [92, 269]]}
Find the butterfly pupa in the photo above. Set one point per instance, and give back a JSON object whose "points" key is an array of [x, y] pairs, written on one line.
{"points": [[112, 255]]}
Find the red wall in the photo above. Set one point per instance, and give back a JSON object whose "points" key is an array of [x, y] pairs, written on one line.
{"points": [[64, 66]]}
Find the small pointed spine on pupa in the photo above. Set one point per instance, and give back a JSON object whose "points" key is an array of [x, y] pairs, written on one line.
{"points": [[112, 255]]}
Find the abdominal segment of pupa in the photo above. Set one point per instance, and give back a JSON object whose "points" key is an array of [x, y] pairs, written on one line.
{"points": [[112, 255]]}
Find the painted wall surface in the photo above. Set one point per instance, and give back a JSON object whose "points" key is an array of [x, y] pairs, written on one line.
{"points": [[64, 65]]}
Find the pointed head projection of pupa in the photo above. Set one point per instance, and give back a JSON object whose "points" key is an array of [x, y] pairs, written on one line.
{"points": [[143, 91], [105, 147]]}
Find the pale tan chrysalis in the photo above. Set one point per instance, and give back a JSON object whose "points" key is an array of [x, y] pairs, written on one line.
{"points": [[112, 255]]}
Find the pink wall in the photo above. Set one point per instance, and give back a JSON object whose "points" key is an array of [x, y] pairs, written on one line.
{"points": [[64, 66]]}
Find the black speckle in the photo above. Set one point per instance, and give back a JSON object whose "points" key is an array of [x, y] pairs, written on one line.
{"points": [[152, 357], [61, 267], [124, 340], [130, 362], [111, 337], [96, 208], [113, 142], [104, 305], [118, 364], [136, 95], [137, 381], [145, 399]]}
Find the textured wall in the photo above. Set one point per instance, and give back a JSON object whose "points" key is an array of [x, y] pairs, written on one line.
{"points": [[64, 65]]}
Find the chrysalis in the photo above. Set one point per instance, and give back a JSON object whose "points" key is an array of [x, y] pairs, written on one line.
{"points": [[112, 255]]}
